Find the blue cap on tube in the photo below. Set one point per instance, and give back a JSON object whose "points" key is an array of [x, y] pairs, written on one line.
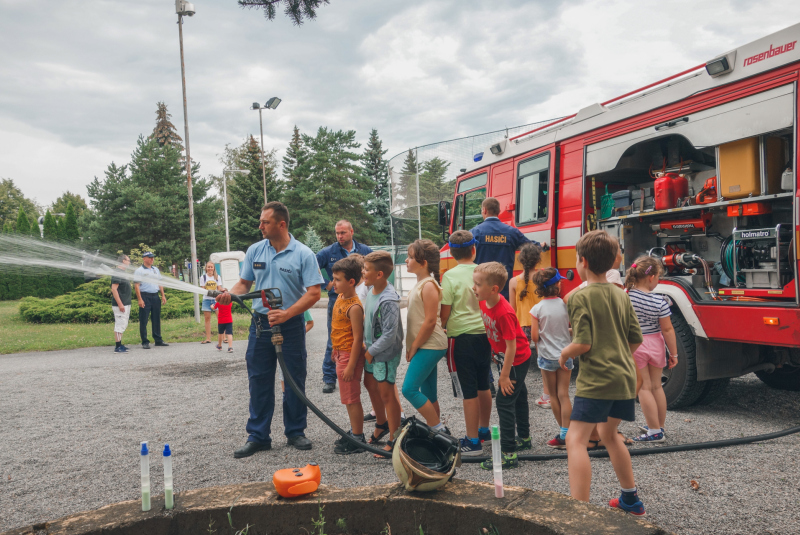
{"points": [[145, 451], [167, 452]]}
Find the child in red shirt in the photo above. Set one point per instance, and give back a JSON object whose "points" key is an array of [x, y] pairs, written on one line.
{"points": [[224, 325], [513, 351]]}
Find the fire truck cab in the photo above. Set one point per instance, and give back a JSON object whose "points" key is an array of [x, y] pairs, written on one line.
{"points": [[697, 170]]}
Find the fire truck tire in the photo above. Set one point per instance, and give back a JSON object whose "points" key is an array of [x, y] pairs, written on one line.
{"points": [[713, 391], [680, 383], [786, 378]]}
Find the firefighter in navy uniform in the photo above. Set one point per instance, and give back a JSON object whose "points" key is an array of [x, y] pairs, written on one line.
{"points": [[498, 242]]}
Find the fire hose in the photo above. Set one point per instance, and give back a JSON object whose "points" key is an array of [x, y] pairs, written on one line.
{"points": [[273, 298]]}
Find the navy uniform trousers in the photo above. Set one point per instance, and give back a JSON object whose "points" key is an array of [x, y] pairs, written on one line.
{"points": [[261, 365]]}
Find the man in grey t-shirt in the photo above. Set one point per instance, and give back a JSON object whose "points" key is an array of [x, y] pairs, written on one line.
{"points": [[121, 303]]}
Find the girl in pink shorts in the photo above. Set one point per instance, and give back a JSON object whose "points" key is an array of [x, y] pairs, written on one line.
{"points": [[653, 313]]}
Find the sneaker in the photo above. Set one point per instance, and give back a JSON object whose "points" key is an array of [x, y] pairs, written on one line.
{"points": [[342, 440], [557, 443], [120, 349], [485, 436], [637, 509], [658, 437], [469, 448], [509, 461], [347, 447], [645, 429], [523, 443], [543, 403], [123, 346]]}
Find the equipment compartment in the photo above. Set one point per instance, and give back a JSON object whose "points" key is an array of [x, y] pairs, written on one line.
{"points": [[725, 224]]}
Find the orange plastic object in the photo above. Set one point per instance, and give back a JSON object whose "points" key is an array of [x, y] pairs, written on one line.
{"points": [[751, 208], [293, 482]]}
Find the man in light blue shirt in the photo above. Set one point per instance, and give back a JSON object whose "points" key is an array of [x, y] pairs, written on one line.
{"points": [[279, 261], [146, 278]]}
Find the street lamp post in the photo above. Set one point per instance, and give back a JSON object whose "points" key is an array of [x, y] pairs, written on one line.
{"points": [[225, 201], [183, 8], [270, 105]]}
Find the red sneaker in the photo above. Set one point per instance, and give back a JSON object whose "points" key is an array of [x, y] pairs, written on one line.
{"points": [[557, 443]]}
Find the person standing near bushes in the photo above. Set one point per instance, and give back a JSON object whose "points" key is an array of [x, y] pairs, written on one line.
{"points": [[146, 279], [121, 303]]}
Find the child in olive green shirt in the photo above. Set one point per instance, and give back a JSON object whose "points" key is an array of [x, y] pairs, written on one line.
{"points": [[605, 334]]}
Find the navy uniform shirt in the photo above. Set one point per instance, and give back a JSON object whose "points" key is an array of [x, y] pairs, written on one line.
{"points": [[498, 242], [331, 254]]}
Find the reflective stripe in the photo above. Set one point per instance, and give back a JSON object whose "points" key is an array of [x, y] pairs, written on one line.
{"points": [[541, 236], [567, 237]]}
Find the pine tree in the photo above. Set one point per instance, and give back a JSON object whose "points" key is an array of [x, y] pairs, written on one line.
{"points": [[23, 225], [246, 193], [406, 221], [295, 159], [60, 204], [164, 132], [312, 239], [50, 231], [71, 234], [376, 168]]}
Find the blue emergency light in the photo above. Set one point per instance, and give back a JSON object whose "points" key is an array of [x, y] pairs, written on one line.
{"points": [[478, 157]]}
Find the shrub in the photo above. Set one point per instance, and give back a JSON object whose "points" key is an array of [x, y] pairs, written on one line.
{"points": [[91, 303]]}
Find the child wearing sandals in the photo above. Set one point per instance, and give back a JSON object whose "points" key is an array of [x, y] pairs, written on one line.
{"points": [[653, 313], [383, 336], [550, 331], [426, 342], [347, 335], [522, 297]]}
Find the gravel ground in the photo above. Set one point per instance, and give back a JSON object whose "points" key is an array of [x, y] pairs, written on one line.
{"points": [[72, 422]]}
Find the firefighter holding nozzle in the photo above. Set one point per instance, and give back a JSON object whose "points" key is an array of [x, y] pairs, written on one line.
{"points": [[278, 261]]}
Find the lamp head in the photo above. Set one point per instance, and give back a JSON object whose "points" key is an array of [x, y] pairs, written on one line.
{"points": [[273, 103], [255, 106], [182, 7]]}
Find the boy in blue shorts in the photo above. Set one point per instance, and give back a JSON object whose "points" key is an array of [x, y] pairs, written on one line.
{"points": [[383, 338], [605, 334], [468, 348]]}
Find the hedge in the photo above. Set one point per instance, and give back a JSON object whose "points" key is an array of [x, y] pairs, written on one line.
{"points": [[91, 303]]}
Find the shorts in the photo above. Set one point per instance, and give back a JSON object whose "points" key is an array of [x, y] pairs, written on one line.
{"points": [[383, 372], [225, 328], [652, 352], [547, 365], [349, 391], [207, 304], [596, 411], [472, 354], [121, 316]]}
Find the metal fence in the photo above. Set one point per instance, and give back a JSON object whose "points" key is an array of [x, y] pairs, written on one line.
{"points": [[422, 176]]}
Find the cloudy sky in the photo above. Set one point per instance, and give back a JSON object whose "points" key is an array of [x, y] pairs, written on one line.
{"points": [[79, 79]]}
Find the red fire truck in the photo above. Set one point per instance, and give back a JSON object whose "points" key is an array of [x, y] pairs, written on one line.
{"points": [[696, 169]]}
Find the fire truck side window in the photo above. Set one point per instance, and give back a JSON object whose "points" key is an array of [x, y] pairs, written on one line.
{"points": [[472, 208], [532, 189]]}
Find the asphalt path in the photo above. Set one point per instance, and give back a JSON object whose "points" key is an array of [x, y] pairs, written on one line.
{"points": [[72, 422]]}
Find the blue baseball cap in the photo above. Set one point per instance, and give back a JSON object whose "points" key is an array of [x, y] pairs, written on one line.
{"points": [[148, 254]]}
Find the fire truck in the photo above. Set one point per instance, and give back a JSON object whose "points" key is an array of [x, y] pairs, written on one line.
{"points": [[697, 170]]}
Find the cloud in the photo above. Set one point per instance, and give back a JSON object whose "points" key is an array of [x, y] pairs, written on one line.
{"points": [[79, 83]]}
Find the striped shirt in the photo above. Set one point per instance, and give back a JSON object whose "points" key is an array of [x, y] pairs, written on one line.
{"points": [[649, 308]]}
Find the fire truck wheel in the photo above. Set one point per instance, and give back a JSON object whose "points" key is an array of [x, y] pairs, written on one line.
{"points": [[786, 378], [713, 391], [680, 383]]}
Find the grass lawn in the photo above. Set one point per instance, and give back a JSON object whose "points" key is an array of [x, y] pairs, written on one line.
{"points": [[19, 336]]}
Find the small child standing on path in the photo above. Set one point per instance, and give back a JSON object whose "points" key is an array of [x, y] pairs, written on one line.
{"points": [[605, 335], [383, 337], [467, 342], [550, 331], [347, 340], [224, 325], [426, 343], [522, 297], [653, 313], [512, 347]]}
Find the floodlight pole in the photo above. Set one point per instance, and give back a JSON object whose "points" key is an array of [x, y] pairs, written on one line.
{"points": [[192, 241], [263, 166]]}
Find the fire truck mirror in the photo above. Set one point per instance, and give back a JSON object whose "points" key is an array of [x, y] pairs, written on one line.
{"points": [[444, 213]]}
